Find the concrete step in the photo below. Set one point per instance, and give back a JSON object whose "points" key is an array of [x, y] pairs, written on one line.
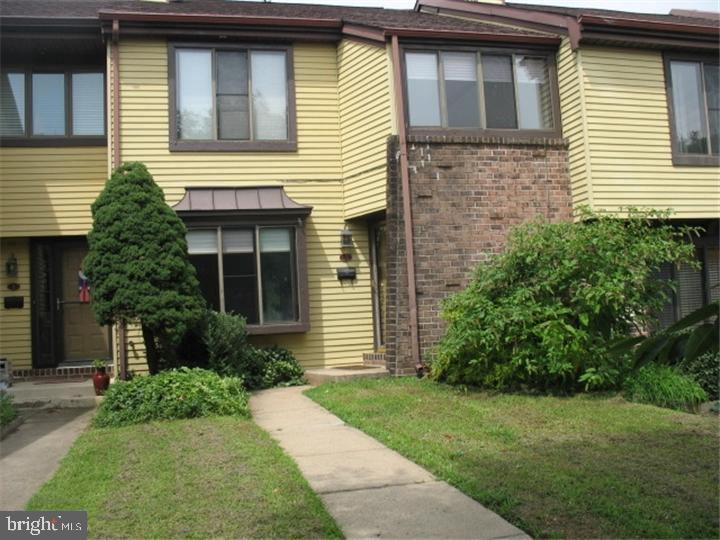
{"points": [[316, 377]]}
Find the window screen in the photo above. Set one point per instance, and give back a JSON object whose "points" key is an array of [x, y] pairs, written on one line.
{"points": [[461, 89], [499, 92], [88, 104], [232, 95]]}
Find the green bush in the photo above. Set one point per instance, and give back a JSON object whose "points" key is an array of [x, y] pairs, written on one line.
{"points": [[664, 386], [705, 370], [280, 368], [229, 353], [138, 264], [170, 395], [543, 314], [7, 409]]}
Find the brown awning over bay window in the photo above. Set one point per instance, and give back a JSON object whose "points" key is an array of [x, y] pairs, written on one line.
{"points": [[245, 201]]}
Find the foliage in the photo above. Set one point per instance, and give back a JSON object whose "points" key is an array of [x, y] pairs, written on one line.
{"points": [[7, 409], [543, 314], [172, 395], [229, 353], [228, 350], [280, 367], [664, 386], [217, 477], [138, 265], [705, 370], [99, 364], [692, 336], [587, 466]]}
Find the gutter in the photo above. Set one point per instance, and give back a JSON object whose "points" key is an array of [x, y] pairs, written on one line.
{"points": [[105, 15], [407, 207], [117, 156]]}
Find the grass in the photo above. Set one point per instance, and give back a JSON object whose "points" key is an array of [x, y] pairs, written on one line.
{"points": [[201, 478], [581, 467]]}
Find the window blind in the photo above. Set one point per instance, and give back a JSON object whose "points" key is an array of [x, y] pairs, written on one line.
{"points": [[202, 242], [12, 104], [275, 240], [237, 241], [88, 104]]}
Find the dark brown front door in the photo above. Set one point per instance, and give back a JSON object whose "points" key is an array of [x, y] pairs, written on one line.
{"points": [[65, 330]]}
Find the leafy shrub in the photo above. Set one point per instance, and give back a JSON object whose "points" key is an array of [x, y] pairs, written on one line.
{"points": [[229, 353], [705, 370], [170, 395], [228, 350], [7, 409], [280, 368], [543, 314], [664, 386]]}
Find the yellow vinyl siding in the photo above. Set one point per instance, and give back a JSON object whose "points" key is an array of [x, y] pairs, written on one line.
{"points": [[48, 191], [340, 314], [628, 136], [15, 335], [366, 123], [573, 122]]}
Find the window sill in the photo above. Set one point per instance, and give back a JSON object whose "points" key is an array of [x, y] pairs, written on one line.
{"points": [[280, 328], [233, 146], [695, 161], [48, 142]]}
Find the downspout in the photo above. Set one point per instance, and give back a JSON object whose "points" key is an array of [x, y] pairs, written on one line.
{"points": [[115, 57], [407, 206]]}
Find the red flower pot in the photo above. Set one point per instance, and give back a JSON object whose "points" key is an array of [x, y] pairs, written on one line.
{"points": [[101, 381]]}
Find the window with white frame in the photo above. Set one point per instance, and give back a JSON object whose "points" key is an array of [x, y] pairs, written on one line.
{"points": [[479, 90], [250, 271]]}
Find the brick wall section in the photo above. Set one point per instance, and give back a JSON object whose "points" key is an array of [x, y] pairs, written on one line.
{"points": [[466, 194]]}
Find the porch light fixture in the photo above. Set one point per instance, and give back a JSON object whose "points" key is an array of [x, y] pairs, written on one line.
{"points": [[346, 240], [11, 266]]}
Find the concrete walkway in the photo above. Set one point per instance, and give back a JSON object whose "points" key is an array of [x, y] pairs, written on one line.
{"points": [[30, 455], [370, 490]]}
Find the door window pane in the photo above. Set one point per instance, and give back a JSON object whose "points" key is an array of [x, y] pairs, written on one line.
{"points": [[48, 102], [499, 92], [232, 95], [88, 104], [688, 108], [194, 94], [533, 88], [277, 261], [461, 89], [422, 89], [712, 90], [240, 274], [12, 104], [269, 94]]}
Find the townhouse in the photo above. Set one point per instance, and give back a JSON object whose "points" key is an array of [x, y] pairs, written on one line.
{"points": [[340, 170]]}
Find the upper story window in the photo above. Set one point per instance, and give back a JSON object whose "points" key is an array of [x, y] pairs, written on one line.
{"points": [[694, 99], [49, 107], [232, 98], [479, 90]]}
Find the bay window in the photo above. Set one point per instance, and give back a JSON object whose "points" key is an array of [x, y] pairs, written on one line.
{"points": [[479, 90], [39, 107], [249, 270], [693, 89], [231, 98]]}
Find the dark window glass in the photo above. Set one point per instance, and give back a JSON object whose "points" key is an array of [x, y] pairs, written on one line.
{"points": [[712, 91], [423, 89], [499, 92], [461, 89], [206, 267], [277, 263], [232, 95], [240, 275], [12, 104], [689, 108]]}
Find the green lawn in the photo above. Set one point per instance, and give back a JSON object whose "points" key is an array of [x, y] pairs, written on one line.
{"points": [[582, 467], [202, 478]]}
